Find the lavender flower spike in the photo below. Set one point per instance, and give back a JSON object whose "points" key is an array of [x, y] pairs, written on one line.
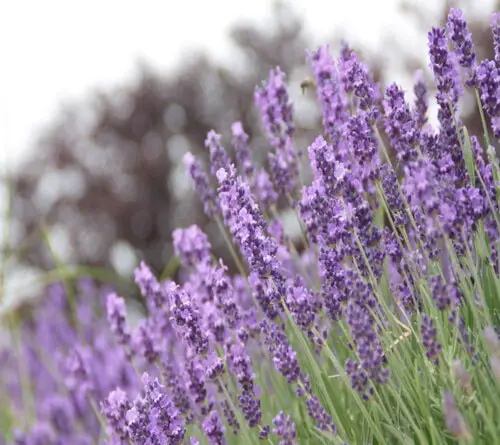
{"points": [[213, 429], [495, 30], [191, 245], [243, 156], [454, 421], [117, 318], [187, 321], [218, 156], [284, 427], [461, 37], [202, 185]]}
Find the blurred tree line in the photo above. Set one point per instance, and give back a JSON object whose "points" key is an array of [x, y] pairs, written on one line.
{"points": [[107, 176]]}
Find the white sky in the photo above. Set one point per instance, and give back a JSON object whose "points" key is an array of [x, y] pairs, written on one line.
{"points": [[58, 50]]}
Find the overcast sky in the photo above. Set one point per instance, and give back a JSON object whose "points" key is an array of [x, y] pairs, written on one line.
{"points": [[58, 50]]}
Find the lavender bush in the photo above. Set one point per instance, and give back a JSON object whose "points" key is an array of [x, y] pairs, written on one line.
{"points": [[379, 326]]}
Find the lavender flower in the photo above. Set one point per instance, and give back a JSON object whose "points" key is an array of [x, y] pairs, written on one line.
{"points": [[454, 420], [116, 318], [399, 124], [441, 65], [461, 37], [495, 30], [318, 413], [115, 409], [192, 246], [284, 427], [213, 429], [330, 93], [277, 120], [218, 157], [154, 418], [488, 81], [146, 341], [241, 366], [428, 331], [149, 286], [187, 321], [356, 79], [284, 357], [462, 375], [243, 156], [202, 185], [421, 104]]}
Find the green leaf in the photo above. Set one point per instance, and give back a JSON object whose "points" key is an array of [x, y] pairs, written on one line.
{"points": [[468, 157]]}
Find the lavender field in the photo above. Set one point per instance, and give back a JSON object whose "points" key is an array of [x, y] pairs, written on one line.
{"points": [[377, 322]]}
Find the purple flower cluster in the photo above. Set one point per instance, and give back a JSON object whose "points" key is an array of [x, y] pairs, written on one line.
{"points": [[71, 368], [378, 238], [276, 113]]}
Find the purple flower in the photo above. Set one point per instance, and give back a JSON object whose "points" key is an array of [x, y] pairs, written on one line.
{"points": [[115, 409], [213, 429], [275, 108], [399, 124], [149, 286], [215, 369], [277, 119], [196, 382], [243, 156], [284, 427], [202, 185], [263, 189], [488, 80], [117, 318], [461, 37], [428, 331], [330, 93], [60, 414], [357, 79], [361, 139], [421, 185], [77, 371], [176, 386], [303, 304], [421, 104], [367, 343], [284, 357], [187, 320], [358, 378], [221, 290], [462, 375], [495, 30], [441, 64], [318, 413], [145, 338], [153, 418], [445, 294], [40, 434], [241, 366], [453, 419], [247, 226], [191, 245], [218, 157]]}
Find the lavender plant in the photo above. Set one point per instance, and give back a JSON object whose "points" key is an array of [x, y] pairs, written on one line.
{"points": [[380, 325]]}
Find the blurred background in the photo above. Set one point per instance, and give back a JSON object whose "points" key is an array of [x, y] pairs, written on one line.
{"points": [[100, 100]]}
